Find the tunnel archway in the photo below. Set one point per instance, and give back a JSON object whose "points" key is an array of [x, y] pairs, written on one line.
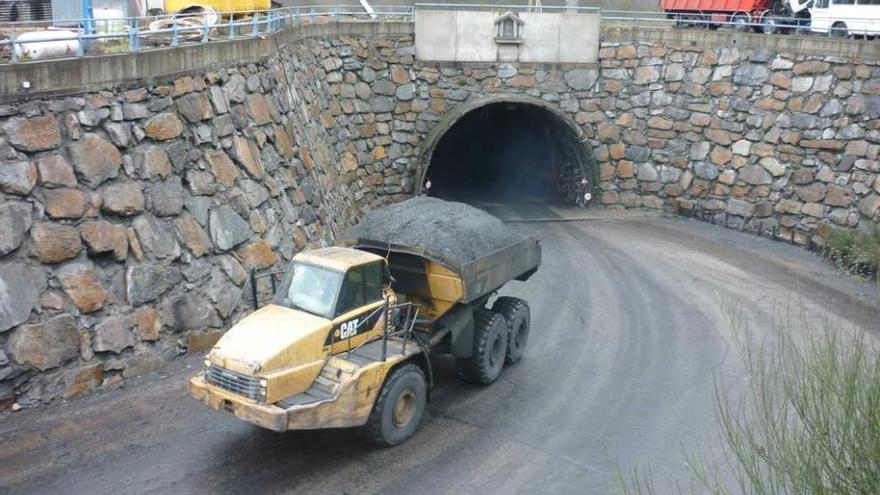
{"points": [[506, 148]]}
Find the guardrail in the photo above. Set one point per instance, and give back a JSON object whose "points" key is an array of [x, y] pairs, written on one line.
{"points": [[505, 8], [133, 34]]}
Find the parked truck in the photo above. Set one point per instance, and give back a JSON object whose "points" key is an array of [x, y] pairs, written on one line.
{"points": [[348, 338], [768, 16], [223, 6]]}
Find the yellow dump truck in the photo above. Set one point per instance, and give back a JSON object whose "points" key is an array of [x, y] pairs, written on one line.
{"points": [[348, 337], [172, 6]]}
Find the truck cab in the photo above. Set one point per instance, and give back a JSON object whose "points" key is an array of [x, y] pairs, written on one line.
{"points": [[328, 301]]}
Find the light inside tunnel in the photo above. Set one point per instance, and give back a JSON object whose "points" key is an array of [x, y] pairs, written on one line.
{"points": [[509, 151]]}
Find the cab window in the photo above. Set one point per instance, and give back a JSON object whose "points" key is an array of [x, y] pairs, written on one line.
{"points": [[362, 286]]}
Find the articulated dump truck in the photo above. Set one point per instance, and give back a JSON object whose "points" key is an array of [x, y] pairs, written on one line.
{"points": [[348, 337]]}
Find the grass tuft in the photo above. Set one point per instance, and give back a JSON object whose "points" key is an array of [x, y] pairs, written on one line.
{"points": [[857, 251]]}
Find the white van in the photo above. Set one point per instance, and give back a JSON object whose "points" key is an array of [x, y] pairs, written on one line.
{"points": [[844, 18]]}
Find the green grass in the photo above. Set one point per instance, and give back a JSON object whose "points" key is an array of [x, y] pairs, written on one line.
{"points": [[809, 422], [857, 251], [112, 47]]}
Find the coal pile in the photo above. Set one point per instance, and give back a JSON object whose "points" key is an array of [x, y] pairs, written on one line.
{"points": [[455, 231]]}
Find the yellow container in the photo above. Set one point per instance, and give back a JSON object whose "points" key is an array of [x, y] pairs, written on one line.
{"points": [[172, 6]]}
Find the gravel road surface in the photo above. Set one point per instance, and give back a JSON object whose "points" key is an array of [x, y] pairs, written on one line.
{"points": [[628, 336]]}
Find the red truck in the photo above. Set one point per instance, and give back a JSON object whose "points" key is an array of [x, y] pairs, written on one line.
{"points": [[768, 16]]}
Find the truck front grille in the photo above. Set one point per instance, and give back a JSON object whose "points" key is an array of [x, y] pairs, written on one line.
{"points": [[246, 386]]}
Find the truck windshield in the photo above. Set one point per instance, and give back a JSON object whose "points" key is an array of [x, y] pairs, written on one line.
{"points": [[309, 288]]}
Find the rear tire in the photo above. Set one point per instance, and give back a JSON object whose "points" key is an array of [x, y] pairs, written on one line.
{"points": [[741, 22], [490, 349], [839, 30], [398, 409], [518, 317]]}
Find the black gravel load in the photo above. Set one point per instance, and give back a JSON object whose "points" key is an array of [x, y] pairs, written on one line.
{"points": [[455, 231]]}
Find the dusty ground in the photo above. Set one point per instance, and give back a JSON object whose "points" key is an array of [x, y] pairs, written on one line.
{"points": [[627, 338]]}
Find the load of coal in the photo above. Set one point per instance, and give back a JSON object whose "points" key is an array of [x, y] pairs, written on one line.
{"points": [[455, 231]]}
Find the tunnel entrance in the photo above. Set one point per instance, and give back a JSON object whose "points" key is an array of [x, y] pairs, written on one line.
{"points": [[507, 151]]}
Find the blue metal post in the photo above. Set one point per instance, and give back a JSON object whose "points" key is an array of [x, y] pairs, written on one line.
{"points": [[88, 17], [88, 25], [175, 41], [132, 34]]}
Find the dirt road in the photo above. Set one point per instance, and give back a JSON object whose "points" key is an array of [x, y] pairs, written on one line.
{"points": [[628, 335]]}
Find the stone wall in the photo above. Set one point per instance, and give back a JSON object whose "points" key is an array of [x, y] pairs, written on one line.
{"points": [[788, 139], [129, 218], [779, 137]]}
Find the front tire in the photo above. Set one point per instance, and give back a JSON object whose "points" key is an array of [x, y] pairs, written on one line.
{"points": [[399, 408], [770, 25], [839, 30], [518, 317], [490, 349]]}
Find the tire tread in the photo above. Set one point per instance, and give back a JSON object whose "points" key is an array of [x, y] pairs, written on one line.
{"points": [[372, 430], [508, 307], [471, 369]]}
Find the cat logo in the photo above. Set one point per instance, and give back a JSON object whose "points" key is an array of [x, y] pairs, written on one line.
{"points": [[349, 329]]}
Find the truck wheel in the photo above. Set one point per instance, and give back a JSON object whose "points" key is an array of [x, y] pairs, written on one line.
{"points": [[516, 312], [770, 24], [741, 21], [490, 347], [398, 409], [839, 30]]}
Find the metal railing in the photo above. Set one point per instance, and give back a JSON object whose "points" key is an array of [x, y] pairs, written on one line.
{"points": [[133, 34], [511, 8]]}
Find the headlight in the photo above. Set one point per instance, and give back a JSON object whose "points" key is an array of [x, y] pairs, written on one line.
{"points": [[207, 363], [264, 383]]}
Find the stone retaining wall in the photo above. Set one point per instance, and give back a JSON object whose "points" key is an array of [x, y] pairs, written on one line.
{"points": [[780, 137], [788, 139], [130, 218]]}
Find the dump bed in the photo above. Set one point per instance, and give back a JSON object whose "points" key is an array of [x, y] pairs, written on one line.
{"points": [[715, 5], [481, 250]]}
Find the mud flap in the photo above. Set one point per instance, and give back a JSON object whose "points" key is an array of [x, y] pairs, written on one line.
{"points": [[461, 325]]}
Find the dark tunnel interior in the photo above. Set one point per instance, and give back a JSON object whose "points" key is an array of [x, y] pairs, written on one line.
{"points": [[505, 152]]}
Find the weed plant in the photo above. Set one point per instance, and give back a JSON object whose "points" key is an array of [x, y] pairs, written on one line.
{"points": [[808, 423], [855, 250]]}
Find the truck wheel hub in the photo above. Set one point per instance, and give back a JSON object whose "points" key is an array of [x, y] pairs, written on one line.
{"points": [[404, 408]]}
